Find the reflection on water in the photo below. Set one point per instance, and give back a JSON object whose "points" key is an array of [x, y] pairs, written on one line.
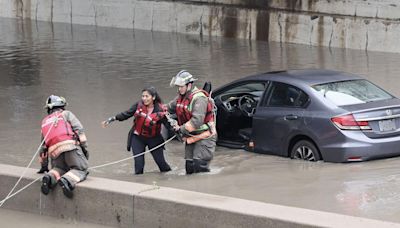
{"points": [[101, 71], [379, 195]]}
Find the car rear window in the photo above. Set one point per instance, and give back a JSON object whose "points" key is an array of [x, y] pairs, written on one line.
{"points": [[352, 92]]}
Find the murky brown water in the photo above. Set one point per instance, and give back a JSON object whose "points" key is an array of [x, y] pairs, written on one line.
{"points": [[101, 71]]}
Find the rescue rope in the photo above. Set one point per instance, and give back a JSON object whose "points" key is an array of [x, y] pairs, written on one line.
{"points": [[137, 155], [30, 163], [20, 190], [94, 167]]}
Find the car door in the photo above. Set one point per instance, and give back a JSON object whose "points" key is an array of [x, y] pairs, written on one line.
{"points": [[279, 114], [230, 119]]}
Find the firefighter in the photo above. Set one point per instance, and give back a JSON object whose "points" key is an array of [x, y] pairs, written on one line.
{"points": [[194, 109], [149, 114], [66, 144]]}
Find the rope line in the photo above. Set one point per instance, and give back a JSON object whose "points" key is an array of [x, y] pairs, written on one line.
{"points": [[94, 167], [137, 155], [30, 163], [20, 190]]}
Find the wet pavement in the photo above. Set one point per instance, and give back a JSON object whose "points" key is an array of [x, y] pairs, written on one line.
{"points": [[101, 71], [17, 219]]}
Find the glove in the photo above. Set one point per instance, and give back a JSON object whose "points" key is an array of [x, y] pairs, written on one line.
{"points": [[85, 151], [44, 162], [108, 121]]}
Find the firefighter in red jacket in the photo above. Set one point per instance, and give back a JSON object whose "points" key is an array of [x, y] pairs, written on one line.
{"points": [[65, 143], [149, 114], [196, 119]]}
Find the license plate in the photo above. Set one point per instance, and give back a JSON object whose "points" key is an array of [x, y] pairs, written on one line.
{"points": [[387, 125]]}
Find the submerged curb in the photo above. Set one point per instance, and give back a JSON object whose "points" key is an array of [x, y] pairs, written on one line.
{"points": [[126, 204]]}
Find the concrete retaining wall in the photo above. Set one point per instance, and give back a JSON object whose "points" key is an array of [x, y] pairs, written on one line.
{"points": [[358, 24], [125, 204]]}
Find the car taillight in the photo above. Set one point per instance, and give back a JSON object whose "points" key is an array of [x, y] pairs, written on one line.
{"points": [[347, 122]]}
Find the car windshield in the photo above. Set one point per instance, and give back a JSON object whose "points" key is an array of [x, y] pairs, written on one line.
{"points": [[352, 92], [247, 88]]}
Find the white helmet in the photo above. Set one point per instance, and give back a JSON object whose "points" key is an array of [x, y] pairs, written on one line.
{"points": [[55, 101], [182, 78]]}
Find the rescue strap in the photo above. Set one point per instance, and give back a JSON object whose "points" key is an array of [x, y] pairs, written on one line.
{"points": [[93, 167]]}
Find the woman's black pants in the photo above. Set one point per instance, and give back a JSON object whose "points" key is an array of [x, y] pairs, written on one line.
{"points": [[139, 144]]}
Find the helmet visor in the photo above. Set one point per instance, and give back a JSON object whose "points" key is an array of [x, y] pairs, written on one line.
{"points": [[178, 81], [172, 83]]}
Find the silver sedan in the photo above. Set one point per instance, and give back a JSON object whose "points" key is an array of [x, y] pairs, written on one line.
{"points": [[310, 115]]}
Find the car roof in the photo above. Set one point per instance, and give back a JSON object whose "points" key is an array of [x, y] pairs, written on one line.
{"points": [[305, 76]]}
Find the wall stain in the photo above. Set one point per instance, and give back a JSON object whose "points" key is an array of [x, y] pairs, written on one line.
{"points": [[118, 217], [321, 29], [311, 5], [332, 31], [293, 5], [19, 8], [280, 27], [193, 27], [386, 24], [201, 23], [27, 9], [342, 36], [262, 25], [212, 17], [52, 11], [229, 25], [256, 4], [250, 35], [291, 22]]}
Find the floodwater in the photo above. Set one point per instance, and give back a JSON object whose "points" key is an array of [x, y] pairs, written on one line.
{"points": [[101, 72]]}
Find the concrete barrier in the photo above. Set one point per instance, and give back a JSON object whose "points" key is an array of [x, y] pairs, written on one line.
{"points": [[360, 24], [125, 204]]}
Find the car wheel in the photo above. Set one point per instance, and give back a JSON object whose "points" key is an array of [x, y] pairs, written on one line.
{"points": [[305, 150]]}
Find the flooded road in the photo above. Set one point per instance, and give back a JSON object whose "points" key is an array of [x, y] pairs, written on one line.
{"points": [[101, 72]]}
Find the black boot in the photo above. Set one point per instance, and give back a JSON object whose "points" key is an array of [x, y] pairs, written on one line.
{"points": [[66, 187], [200, 166], [138, 171], [165, 168], [189, 166], [46, 184]]}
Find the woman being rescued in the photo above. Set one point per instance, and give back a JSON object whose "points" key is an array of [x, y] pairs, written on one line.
{"points": [[149, 114]]}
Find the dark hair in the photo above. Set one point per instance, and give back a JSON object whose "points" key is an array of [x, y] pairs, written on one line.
{"points": [[153, 92]]}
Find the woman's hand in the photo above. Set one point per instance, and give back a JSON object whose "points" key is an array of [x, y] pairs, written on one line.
{"points": [[108, 121]]}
